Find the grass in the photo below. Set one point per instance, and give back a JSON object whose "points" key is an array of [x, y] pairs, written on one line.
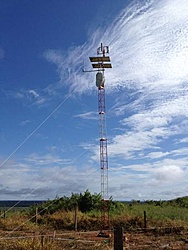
{"points": [[159, 215], [128, 216], [49, 244]]}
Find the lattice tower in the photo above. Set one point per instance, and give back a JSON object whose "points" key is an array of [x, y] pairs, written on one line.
{"points": [[101, 63]]}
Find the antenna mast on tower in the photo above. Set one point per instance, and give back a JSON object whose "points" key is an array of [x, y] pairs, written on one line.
{"points": [[100, 63]]}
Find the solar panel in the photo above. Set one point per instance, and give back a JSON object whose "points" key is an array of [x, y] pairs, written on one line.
{"points": [[100, 59], [102, 65]]}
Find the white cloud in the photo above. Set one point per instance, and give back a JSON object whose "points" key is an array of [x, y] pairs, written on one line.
{"points": [[180, 152], [88, 115], [45, 176], [33, 93], [165, 174], [148, 45], [152, 45], [184, 140], [30, 97], [27, 180], [159, 114], [163, 179], [148, 50], [34, 96], [46, 160], [157, 154], [24, 123]]}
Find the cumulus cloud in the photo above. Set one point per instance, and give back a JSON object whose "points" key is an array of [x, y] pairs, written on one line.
{"points": [[165, 174], [43, 177]]}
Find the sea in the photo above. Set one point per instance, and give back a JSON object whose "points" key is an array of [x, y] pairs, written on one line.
{"points": [[17, 203]]}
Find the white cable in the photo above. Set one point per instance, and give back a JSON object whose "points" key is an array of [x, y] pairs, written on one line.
{"points": [[16, 228], [45, 184], [27, 140], [40, 125]]}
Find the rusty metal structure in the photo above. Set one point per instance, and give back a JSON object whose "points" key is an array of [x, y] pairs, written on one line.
{"points": [[100, 63]]}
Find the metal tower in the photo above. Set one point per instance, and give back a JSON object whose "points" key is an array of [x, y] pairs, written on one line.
{"points": [[100, 63]]}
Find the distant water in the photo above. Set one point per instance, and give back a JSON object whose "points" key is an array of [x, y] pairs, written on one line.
{"points": [[15, 203]]}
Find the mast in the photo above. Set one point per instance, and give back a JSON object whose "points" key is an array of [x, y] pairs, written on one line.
{"points": [[101, 63]]}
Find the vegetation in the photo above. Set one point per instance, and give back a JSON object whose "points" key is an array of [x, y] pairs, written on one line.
{"points": [[129, 215], [59, 215], [85, 202]]}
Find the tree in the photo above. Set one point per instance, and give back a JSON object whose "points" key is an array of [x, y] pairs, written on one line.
{"points": [[85, 202]]}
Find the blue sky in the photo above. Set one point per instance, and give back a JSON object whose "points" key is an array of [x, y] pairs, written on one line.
{"points": [[49, 131]]}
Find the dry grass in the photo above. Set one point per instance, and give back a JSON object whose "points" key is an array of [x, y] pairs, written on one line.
{"points": [[65, 221], [129, 219], [46, 242]]}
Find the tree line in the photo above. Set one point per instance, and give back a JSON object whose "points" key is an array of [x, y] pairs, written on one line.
{"points": [[85, 202]]}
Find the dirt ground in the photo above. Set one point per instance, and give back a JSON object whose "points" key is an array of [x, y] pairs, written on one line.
{"points": [[153, 239], [136, 240], [133, 240], [145, 240]]}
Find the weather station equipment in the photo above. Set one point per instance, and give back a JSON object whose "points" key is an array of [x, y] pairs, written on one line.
{"points": [[99, 64]]}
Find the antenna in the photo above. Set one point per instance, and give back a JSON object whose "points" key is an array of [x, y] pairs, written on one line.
{"points": [[100, 63], [102, 50]]}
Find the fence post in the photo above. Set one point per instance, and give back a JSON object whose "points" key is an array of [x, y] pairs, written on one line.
{"points": [[76, 218], [118, 238], [145, 221]]}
